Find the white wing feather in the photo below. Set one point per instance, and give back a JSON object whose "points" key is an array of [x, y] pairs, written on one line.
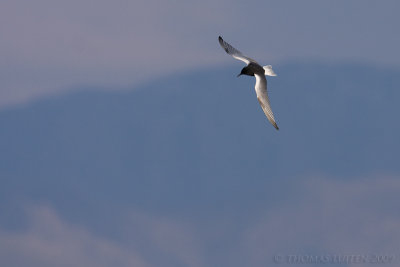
{"points": [[234, 52], [262, 96]]}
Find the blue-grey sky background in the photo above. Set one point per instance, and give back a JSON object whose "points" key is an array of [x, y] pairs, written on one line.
{"points": [[127, 140], [50, 46]]}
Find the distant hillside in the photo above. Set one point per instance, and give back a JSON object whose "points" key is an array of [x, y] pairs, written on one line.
{"points": [[199, 140]]}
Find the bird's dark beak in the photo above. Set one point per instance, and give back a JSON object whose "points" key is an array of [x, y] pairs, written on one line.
{"points": [[239, 75]]}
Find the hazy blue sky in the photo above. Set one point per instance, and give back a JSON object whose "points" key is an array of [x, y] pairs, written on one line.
{"points": [[48, 46], [184, 169]]}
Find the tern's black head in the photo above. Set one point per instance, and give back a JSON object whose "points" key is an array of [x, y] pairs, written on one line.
{"points": [[246, 71]]}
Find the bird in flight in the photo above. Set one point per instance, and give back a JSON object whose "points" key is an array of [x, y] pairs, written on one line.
{"points": [[259, 72]]}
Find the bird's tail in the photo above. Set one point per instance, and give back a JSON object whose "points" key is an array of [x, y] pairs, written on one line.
{"points": [[269, 71]]}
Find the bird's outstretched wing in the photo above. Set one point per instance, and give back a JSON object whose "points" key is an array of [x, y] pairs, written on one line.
{"points": [[234, 52], [262, 96]]}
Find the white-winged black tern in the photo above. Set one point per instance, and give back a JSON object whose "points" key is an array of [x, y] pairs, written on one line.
{"points": [[259, 72]]}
